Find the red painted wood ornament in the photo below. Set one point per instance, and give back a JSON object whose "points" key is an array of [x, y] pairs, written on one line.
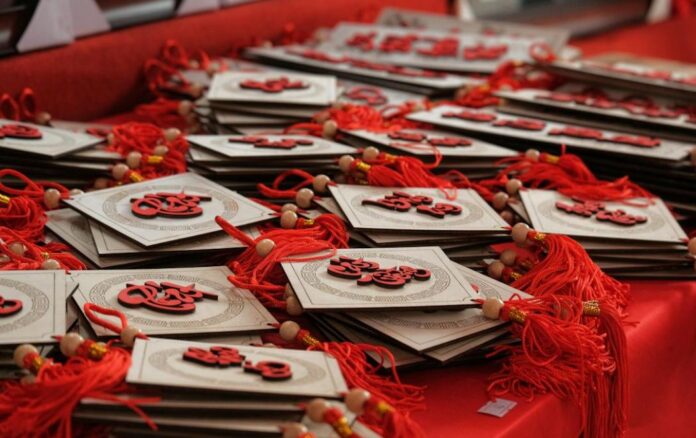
{"points": [[164, 297], [368, 272], [9, 307], [273, 85], [265, 142], [224, 357], [170, 205]]}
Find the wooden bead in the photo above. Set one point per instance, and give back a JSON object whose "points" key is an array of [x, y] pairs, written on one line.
{"points": [[21, 352], [43, 118], [294, 430], [495, 270], [491, 308], [508, 257], [160, 150], [500, 200], [185, 107], [316, 408], [110, 138], [289, 330], [345, 163], [519, 233], [293, 306], [692, 246], [508, 216], [288, 220], [370, 154], [288, 292], [76, 192], [288, 207], [128, 335], [133, 159], [513, 186], [50, 265], [269, 345], [119, 171], [320, 182], [304, 197], [532, 154], [264, 247], [329, 129], [171, 134], [70, 343], [355, 400], [322, 117], [17, 248], [101, 183], [52, 198]]}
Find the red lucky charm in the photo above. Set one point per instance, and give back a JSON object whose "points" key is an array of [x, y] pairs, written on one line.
{"points": [[440, 47], [482, 52], [264, 142], [272, 370], [370, 95], [273, 85], [598, 210], [362, 41], [449, 141], [523, 124], [577, 132], [9, 307], [367, 272], [397, 43], [403, 202], [164, 296], [471, 116], [638, 141], [407, 136], [171, 205], [22, 132]]}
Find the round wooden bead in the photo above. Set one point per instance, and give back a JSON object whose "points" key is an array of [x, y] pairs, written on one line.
{"points": [[294, 430], [370, 153], [133, 159], [110, 138], [160, 150], [320, 182], [101, 183], [21, 352], [289, 330], [329, 129], [355, 400], [269, 345], [519, 233], [500, 200], [532, 154], [52, 198], [50, 265], [185, 107], [76, 192], [70, 343], [322, 117], [693, 156], [128, 335], [316, 408], [28, 379], [43, 118], [288, 207], [508, 257], [4, 258], [171, 134], [345, 163], [507, 216], [495, 269], [289, 292], [293, 306], [119, 171], [288, 220], [692, 246], [264, 247], [513, 186], [17, 248], [491, 308], [304, 197]]}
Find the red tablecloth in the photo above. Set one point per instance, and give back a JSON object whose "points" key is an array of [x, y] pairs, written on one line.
{"points": [[662, 361]]}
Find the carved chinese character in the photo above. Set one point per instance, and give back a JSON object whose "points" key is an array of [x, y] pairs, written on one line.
{"points": [[398, 201], [21, 132], [363, 41], [471, 116], [620, 217], [397, 43], [581, 208], [407, 136], [577, 132], [264, 142], [638, 141], [370, 95], [9, 307], [273, 85], [440, 210], [483, 52], [217, 356], [164, 297], [598, 210], [170, 205], [368, 272], [449, 141], [522, 124], [440, 47], [272, 370]]}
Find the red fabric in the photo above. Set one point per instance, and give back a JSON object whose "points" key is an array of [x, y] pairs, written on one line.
{"points": [[662, 360], [102, 75], [673, 39]]}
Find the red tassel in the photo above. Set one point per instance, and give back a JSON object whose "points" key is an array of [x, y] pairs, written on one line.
{"points": [[566, 269], [258, 267], [23, 215], [34, 257], [381, 416], [166, 113], [275, 192], [352, 359], [327, 227], [34, 190]]}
